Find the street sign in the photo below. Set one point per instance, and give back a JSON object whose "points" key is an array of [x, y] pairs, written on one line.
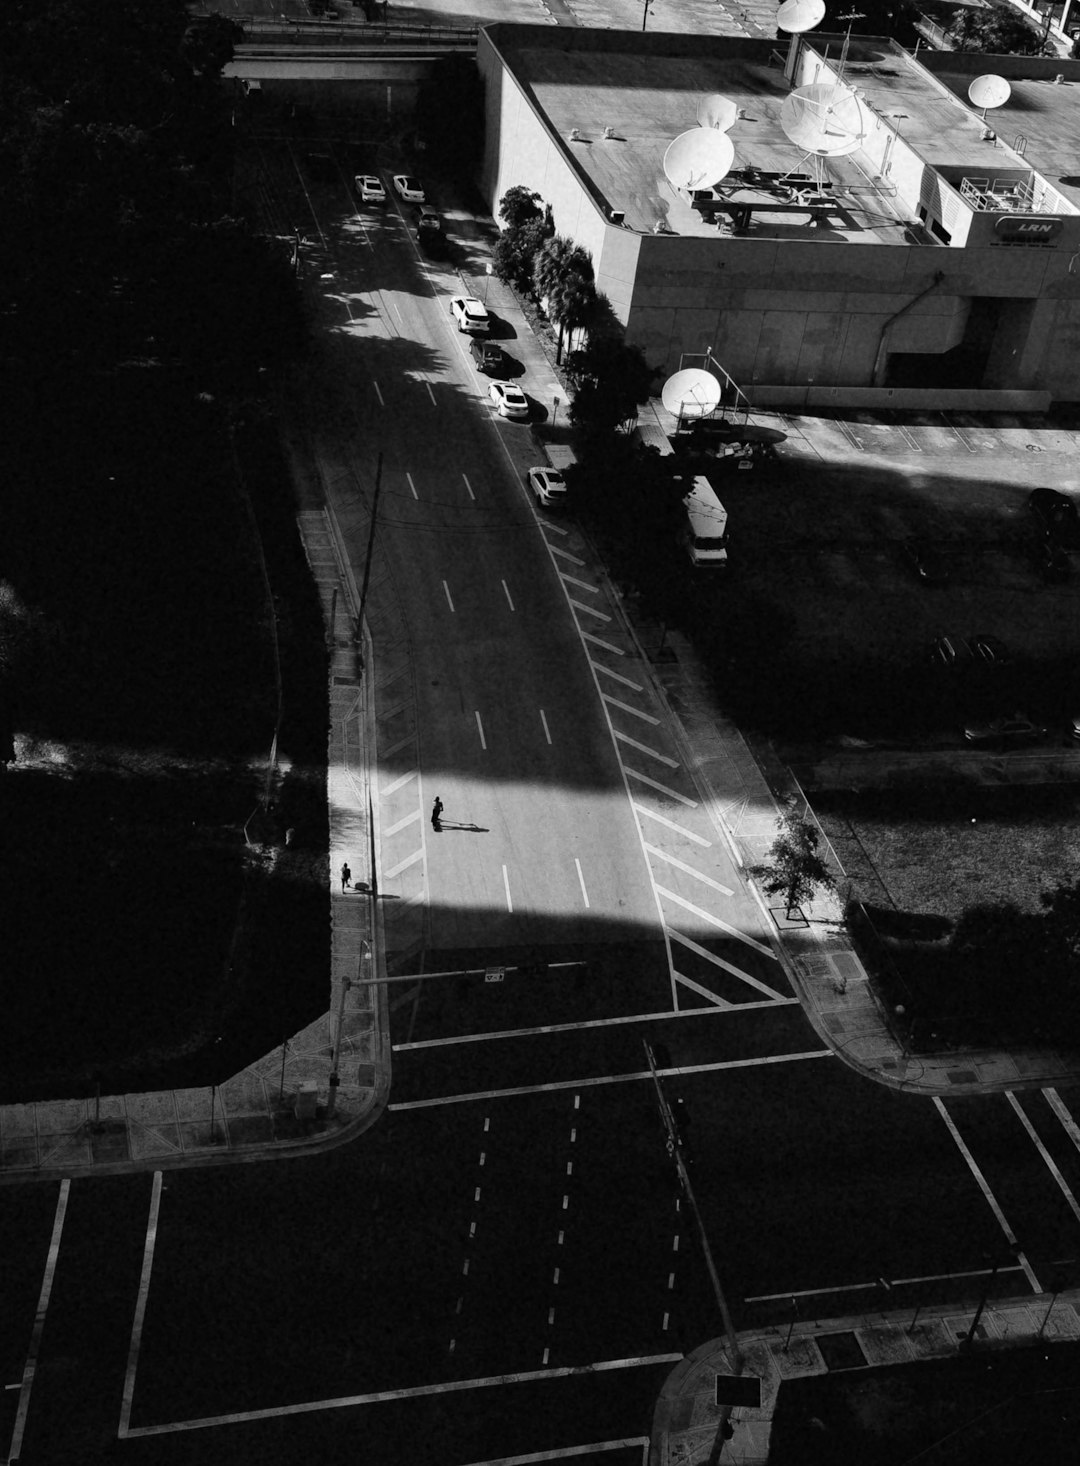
{"points": [[494, 974], [743, 1389]]}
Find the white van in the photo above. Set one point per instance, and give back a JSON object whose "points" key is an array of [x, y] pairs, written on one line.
{"points": [[705, 535]]}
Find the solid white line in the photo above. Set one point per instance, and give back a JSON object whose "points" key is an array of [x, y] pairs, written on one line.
{"points": [[468, 485], [378, 394], [663, 820], [615, 703], [480, 727], [30, 1366], [618, 676], [644, 1074], [140, 1306], [506, 887], [984, 1187], [431, 394], [589, 610], [566, 555], [980, 1272], [662, 788], [573, 580], [506, 588], [581, 878], [598, 641], [413, 1392], [1047, 1157], [727, 966], [449, 598], [696, 987], [644, 748], [717, 922], [409, 818], [1057, 1104], [690, 871], [402, 779], [543, 719], [403, 865]]}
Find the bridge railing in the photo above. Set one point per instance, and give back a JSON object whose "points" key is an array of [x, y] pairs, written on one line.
{"points": [[268, 30]]}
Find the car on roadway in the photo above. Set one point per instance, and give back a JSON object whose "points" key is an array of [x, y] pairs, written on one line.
{"points": [[487, 355], [928, 563], [989, 650], [369, 188], [429, 232], [951, 652], [409, 188], [509, 401], [548, 485], [1057, 516], [1015, 728], [471, 315]]}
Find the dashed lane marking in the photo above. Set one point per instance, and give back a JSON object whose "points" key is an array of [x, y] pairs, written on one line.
{"points": [[449, 597], [583, 584], [689, 870], [378, 394], [697, 987], [589, 610], [581, 879], [662, 819], [509, 597], [644, 748], [717, 921], [398, 782], [480, 730], [1044, 1153], [617, 676], [708, 956], [472, 496], [403, 865], [408, 820], [661, 788], [598, 641], [637, 713], [506, 887], [547, 731], [412, 486]]}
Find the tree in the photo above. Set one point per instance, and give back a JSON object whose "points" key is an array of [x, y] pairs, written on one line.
{"points": [[998, 31], [796, 869], [515, 253], [519, 206], [563, 279], [894, 18], [209, 43], [613, 380]]}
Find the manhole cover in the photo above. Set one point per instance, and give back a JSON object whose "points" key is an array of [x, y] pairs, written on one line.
{"points": [[841, 1351]]}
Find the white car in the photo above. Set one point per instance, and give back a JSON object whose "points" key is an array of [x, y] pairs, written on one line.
{"points": [[369, 188], [471, 314], [510, 401], [548, 485], [410, 189]]}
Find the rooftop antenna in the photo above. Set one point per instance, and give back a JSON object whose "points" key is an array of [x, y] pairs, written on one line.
{"points": [[852, 16]]}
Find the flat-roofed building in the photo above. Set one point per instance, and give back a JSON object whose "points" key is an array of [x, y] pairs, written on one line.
{"points": [[938, 262]]}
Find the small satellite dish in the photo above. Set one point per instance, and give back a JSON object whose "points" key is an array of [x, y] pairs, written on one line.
{"points": [[795, 16], [717, 111], [698, 158], [989, 91], [823, 119], [690, 393]]}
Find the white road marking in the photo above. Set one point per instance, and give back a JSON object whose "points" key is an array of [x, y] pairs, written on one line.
{"points": [[412, 486], [661, 788], [30, 1364], [403, 865], [663, 820], [449, 598], [378, 394], [644, 748], [431, 394], [398, 782], [598, 641], [566, 555], [543, 719], [506, 588], [689, 870], [875, 1283], [140, 1306], [480, 728], [581, 879], [618, 676], [1047, 1157], [727, 966], [408, 820], [589, 610], [555, 528], [984, 1187], [573, 580], [717, 922], [397, 312], [506, 887], [1057, 1104], [645, 717], [472, 496], [595, 1083], [696, 987]]}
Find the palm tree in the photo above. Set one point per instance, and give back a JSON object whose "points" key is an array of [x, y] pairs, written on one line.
{"points": [[563, 278]]}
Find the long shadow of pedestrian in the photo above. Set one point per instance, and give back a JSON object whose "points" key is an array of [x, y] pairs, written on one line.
{"points": [[472, 829]]}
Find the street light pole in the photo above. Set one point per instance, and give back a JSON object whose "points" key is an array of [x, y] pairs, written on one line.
{"points": [[335, 1037]]}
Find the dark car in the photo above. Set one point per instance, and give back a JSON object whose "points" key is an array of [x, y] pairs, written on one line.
{"points": [[952, 652], [990, 651], [1053, 561], [929, 564], [429, 233], [1057, 516], [1017, 728], [486, 354]]}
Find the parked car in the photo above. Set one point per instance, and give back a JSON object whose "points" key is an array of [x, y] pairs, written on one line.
{"points": [[369, 188], [1052, 561], [410, 188], [429, 232], [548, 485], [990, 650], [471, 314], [510, 401], [928, 563], [952, 652], [1016, 728], [1057, 515], [487, 355]]}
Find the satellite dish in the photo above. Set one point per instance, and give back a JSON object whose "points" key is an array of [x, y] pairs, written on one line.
{"points": [[989, 91], [795, 16], [822, 119], [698, 158], [691, 393], [717, 111]]}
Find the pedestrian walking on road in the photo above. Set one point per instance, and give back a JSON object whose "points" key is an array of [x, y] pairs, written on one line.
{"points": [[346, 876], [436, 815]]}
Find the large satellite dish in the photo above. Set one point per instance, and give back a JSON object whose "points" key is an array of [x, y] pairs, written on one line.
{"points": [[795, 16], [717, 111], [698, 158], [823, 119], [690, 393], [989, 91]]}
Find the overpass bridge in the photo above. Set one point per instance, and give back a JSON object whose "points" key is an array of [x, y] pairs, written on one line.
{"points": [[287, 50]]}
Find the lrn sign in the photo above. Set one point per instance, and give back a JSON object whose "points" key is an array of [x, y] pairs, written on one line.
{"points": [[1021, 227]]}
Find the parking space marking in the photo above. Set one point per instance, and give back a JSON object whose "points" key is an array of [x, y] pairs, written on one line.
{"points": [[644, 748], [637, 712], [663, 820], [690, 870], [662, 788], [1048, 1159], [30, 1364], [717, 921]]}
